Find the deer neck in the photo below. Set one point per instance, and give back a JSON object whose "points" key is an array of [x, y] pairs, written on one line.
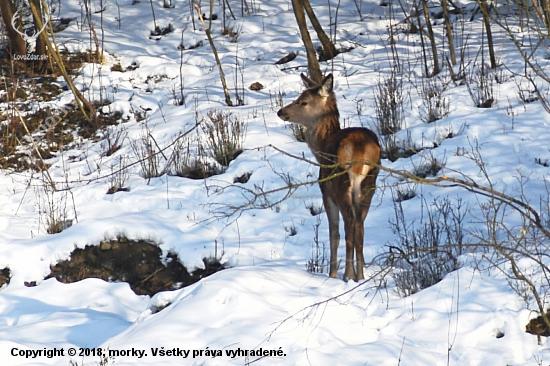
{"points": [[321, 137]]}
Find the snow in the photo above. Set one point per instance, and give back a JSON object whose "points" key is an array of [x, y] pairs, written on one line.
{"points": [[266, 299]]}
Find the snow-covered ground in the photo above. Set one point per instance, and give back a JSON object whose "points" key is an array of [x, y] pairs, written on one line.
{"points": [[266, 308]]}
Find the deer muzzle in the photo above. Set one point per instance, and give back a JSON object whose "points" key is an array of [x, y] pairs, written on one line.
{"points": [[283, 115]]}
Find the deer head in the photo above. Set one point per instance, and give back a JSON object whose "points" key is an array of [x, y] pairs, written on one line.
{"points": [[313, 105]]}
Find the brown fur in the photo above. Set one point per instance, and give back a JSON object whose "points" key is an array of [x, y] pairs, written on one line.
{"points": [[338, 151]]}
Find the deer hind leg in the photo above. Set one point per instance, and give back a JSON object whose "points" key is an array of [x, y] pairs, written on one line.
{"points": [[350, 227], [355, 233], [361, 209], [360, 203], [359, 233], [333, 217]]}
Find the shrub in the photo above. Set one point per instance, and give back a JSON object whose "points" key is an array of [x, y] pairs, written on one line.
{"points": [[423, 254], [148, 154], [388, 104], [224, 135]]}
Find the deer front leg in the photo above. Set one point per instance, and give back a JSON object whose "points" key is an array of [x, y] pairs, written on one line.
{"points": [[333, 217]]}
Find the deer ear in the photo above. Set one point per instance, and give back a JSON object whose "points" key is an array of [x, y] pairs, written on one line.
{"points": [[326, 86], [310, 84]]}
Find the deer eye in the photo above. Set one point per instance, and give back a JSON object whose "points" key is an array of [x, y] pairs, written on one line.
{"points": [[303, 104]]}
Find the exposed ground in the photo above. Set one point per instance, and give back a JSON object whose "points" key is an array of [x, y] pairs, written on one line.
{"points": [[137, 262]]}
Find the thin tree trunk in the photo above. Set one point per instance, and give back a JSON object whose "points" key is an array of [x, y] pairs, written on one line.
{"points": [[17, 43], [329, 51], [487, 21], [313, 67], [544, 6], [435, 70], [449, 29], [214, 50], [422, 43], [40, 49]]}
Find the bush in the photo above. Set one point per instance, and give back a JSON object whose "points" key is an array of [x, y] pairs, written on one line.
{"points": [[423, 254], [318, 262], [434, 105], [388, 104], [224, 135], [149, 155], [183, 163]]}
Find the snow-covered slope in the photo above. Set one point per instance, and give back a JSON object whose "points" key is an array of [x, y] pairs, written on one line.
{"points": [[266, 308]]}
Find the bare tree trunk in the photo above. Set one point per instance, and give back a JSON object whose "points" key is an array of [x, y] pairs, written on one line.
{"points": [[545, 9], [40, 49], [16, 42], [435, 70], [449, 29], [486, 19], [329, 51], [313, 67], [422, 44]]}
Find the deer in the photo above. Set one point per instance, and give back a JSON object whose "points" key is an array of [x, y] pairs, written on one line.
{"points": [[348, 167]]}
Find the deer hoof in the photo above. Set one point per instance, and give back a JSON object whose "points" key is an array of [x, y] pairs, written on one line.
{"points": [[348, 276]]}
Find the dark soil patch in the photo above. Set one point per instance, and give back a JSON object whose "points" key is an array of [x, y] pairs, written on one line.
{"points": [[57, 130], [5, 275], [243, 178], [538, 326], [39, 83], [23, 86], [136, 262]]}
